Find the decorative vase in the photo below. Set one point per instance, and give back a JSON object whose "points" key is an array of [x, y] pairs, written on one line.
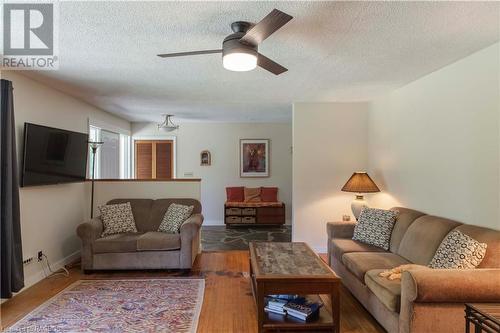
{"points": [[357, 205]]}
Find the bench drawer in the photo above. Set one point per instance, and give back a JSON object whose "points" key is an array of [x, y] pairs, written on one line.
{"points": [[248, 211], [248, 219], [233, 219], [233, 211]]}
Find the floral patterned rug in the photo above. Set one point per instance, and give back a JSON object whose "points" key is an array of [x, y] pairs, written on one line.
{"points": [[152, 305]]}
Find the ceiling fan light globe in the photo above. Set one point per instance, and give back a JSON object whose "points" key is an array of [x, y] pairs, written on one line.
{"points": [[239, 61]]}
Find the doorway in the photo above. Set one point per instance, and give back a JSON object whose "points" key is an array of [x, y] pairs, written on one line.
{"points": [[154, 159]]}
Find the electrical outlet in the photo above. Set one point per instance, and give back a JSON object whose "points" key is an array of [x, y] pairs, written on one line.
{"points": [[40, 255], [28, 260]]}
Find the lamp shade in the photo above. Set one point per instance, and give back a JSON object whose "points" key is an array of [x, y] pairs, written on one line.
{"points": [[360, 182]]}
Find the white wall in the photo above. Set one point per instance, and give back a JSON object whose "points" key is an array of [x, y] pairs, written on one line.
{"points": [[137, 189], [50, 214], [222, 140], [329, 144], [434, 143]]}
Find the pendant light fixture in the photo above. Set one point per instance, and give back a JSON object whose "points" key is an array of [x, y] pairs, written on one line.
{"points": [[167, 125]]}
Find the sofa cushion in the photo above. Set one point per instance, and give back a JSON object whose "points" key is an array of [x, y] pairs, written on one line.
{"points": [[160, 207], [361, 262], [458, 251], [117, 219], [387, 291], [252, 194], [490, 237], [117, 243], [158, 241], [253, 204], [235, 194], [423, 237], [375, 227], [141, 208], [340, 246], [269, 194], [174, 217], [405, 218]]}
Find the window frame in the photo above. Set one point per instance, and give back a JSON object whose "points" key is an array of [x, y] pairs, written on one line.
{"points": [[125, 150]]}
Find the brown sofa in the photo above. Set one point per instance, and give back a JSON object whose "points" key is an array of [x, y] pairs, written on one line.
{"points": [[148, 248], [424, 300]]}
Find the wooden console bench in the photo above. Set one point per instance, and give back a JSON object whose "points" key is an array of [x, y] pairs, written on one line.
{"points": [[265, 213]]}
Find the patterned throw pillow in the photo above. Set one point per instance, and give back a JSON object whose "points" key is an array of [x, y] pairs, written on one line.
{"points": [[375, 227], [117, 219], [458, 251], [252, 194], [174, 217]]}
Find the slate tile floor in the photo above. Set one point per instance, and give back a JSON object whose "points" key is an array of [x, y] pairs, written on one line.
{"points": [[220, 238]]}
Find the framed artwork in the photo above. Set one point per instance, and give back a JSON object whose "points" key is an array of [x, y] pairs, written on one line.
{"points": [[254, 157], [205, 158]]}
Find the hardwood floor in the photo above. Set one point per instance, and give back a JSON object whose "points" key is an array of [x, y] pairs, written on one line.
{"points": [[228, 304]]}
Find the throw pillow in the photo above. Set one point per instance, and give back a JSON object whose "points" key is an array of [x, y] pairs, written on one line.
{"points": [[117, 219], [458, 251], [235, 194], [375, 227], [252, 194], [269, 194], [174, 217]]}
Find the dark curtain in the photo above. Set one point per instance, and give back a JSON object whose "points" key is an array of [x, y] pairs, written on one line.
{"points": [[11, 256]]}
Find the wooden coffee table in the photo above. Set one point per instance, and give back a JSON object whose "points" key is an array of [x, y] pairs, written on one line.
{"points": [[484, 316], [292, 268]]}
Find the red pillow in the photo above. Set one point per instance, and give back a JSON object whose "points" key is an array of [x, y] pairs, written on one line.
{"points": [[235, 194], [269, 194]]}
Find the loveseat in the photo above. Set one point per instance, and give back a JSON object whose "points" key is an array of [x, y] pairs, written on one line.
{"points": [[148, 248], [424, 300]]}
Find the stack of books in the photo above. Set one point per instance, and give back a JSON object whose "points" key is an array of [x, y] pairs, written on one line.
{"points": [[292, 306], [275, 305]]}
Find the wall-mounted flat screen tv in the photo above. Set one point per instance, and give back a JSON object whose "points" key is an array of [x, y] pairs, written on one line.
{"points": [[53, 156]]}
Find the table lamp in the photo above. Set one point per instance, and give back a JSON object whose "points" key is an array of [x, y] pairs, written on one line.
{"points": [[359, 183]]}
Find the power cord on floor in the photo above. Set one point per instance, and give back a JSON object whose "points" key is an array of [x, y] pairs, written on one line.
{"points": [[64, 272]]}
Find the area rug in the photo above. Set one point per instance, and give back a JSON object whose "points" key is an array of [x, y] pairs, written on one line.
{"points": [[152, 305]]}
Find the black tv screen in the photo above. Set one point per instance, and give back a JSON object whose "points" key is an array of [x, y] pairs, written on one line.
{"points": [[53, 156]]}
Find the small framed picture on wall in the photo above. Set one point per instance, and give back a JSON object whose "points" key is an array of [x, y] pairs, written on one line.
{"points": [[205, 158], [254, 157]]}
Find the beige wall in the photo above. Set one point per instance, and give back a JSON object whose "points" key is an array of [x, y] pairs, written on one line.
{"points": [[434, 143], [329, 144], [50, 214], [222, 140]]}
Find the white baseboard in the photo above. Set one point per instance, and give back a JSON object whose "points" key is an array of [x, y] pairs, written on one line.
{"points": [[213, 222], [40, 274]]}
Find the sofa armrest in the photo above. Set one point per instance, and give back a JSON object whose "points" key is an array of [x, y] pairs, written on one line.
{"points": [[450, 285], [91, 230], [344, 229], [191, 226], [190, 240]]}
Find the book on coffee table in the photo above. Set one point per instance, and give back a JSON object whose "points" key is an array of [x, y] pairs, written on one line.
{"points": [[303, 311]]}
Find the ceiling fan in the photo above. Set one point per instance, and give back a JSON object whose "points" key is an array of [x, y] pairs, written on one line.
{"points": [[240, 49]]}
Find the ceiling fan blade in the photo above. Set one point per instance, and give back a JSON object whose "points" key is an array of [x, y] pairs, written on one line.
{"points": [[266, 27], [270, 65], [182, 54]]}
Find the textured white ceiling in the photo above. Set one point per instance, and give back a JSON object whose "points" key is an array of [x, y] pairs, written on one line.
{"points": [[335, 51]]}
